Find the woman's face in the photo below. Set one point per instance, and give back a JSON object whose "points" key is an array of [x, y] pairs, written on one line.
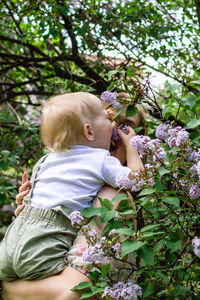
{"points": [[117, 148]]}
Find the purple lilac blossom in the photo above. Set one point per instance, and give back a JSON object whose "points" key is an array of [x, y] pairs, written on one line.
{"points": [[153, 144], [96, 254], [112, 232], [177, 136], [183, 183], [194, 156], [194, 191], [198, 168], [196, 245], [151, 182], [91, 233], [161, 131], [117, 249], [148, 166], [109, 97], [116, 104], [135, 184], [126, 291], [140, 143], [76, 218], [33, 115], [159, 155], [115, 135]]}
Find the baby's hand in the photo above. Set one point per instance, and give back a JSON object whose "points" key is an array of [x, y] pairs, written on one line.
{"points": [[126, 137]]}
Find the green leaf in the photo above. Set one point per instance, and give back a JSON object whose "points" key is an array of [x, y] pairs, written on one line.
{"points": [[191, 101], [107, 203], [145, 200], [159, 246], [180, 290], [146, 192], [125, 231], [162, 171], [96, 290], [174, 246], [149, 234], [127, 212], [192, 124], [5, 153], [101, 284], [111, 73], [108, 216], [131, 111], [148, 290], [120, 197], [129, 246], [118, 112], [165, 111], [123, 205], [146, 253], [104, 270], [4, 165], [87, 295], [90, 211], [13, 160], [63, 9], [82, 285], [150, 227], [196, 82], [171, 200], [94, 275]]}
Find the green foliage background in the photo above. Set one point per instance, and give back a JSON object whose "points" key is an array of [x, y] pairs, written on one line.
{"points": [[56, 46]]}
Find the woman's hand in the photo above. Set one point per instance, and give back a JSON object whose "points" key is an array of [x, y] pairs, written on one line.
{"points": [[23, 191]]}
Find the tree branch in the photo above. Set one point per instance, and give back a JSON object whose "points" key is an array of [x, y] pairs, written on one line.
{"points": [[197, 3]]}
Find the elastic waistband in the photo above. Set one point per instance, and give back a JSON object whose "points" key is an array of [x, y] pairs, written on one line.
{"points": [[51, 215]]}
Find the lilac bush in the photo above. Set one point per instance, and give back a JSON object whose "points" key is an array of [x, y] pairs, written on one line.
{"points": [[155, 253]]}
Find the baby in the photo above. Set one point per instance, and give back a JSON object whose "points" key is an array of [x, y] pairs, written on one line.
{"points": [[77, 131]]}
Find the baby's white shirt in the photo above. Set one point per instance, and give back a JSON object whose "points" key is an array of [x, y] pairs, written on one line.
{"points": [[73, 178]]}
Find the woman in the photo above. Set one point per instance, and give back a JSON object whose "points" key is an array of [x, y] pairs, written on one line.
{"points": [[58, 287]]}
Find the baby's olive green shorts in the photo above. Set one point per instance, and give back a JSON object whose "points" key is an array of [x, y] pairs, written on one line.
{"points": [[35, 244]]}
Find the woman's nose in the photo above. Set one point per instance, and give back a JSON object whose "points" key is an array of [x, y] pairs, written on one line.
{"points": [[110, 115], [114, 125]]}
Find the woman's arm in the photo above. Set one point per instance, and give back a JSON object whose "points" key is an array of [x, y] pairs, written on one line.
{"points": [[57, 287]]}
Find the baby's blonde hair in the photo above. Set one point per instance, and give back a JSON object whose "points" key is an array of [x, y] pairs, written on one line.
{"points": [[63, 118]]}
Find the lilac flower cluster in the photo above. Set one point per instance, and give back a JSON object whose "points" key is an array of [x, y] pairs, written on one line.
{"points": [[162, 131], [175, 137], [194, 191], [145, 145], [195, 169], [140, 143], [115, 135], [137, 181], [194, 156], [96, 254], [111, 98], [196, 245], [33, 115], [76, 218], [126, 291]]}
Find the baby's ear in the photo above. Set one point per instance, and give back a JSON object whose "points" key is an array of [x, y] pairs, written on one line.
{"points": [[88, 132]]}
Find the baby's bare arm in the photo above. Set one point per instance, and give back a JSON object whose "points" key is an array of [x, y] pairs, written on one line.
{"points": [[134, 161]]}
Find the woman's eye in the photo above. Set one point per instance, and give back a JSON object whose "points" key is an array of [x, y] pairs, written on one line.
{"points": [[129, 124]]}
